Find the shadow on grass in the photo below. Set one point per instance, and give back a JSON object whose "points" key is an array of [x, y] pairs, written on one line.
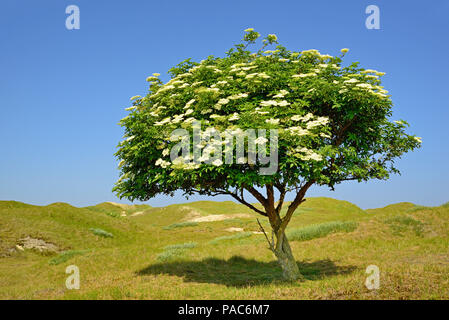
{"points": [[238, 271]]}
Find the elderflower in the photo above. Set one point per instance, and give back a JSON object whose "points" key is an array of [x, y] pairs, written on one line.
{"points": [[272, 121]]}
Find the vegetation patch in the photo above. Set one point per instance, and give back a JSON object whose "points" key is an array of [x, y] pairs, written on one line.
{"points": [[180, 225], [187, 245], [240, 235], [416, 208], [321, 230], [175, 251], [113, 214], [65, 256], [170, 255], [101, 233], [401, 224]]}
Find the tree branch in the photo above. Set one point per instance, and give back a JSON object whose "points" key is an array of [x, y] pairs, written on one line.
{"points": [[240, 198], [282, 193], [270, 197], [295, 203], [249, 205], [256, 194], [271, 244]]}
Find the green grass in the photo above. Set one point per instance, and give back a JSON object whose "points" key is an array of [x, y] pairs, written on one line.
{"points": [[320, 230], [416, 208], [172, 254], [175, 251], [187, 245], [237, 236], [402, 224], [65, 256], [101, 233], [144, 260], [301, 210], [180, 225]]}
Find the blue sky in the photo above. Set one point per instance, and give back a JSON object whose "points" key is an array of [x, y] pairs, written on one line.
{"points": [[62, 91]]}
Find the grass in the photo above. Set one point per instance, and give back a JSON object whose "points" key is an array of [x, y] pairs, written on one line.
{"points": [[101, 233], [65, 256], [116, 210], [175, 251], [237, 236], [170, 255], [180, 225], [187, 245], [416, 208], [321, 230], [144, 260], [301, 210], [401, 224]]}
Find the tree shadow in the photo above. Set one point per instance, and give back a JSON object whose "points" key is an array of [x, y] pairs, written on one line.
{"points": [[238, 271]]}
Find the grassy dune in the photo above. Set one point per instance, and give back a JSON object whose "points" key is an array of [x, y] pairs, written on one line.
{"points": [[140, 252]]}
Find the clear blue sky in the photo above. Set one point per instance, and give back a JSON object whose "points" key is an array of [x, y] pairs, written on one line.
{"points": [[62, 92]]}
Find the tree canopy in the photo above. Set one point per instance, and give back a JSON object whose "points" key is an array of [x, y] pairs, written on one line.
{"points": [[332, 122]]}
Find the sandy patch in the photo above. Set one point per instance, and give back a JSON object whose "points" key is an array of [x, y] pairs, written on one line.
{"points": [[191, 213], [138, 213], [36, 244]]}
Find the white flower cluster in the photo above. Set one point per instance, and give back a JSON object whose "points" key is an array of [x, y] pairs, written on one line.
{"points": [[272, 121], [304, 75], [241, 68], [354, 83], [306, 154], [282, 93], [164, 164], [261, 75], [238, 96], [311, 122], [270, 103]]}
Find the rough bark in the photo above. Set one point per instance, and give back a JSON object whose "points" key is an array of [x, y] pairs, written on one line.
{"points": [[290, 270]]}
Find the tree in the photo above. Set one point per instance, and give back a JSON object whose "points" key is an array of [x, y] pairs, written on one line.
{"points": [[328, 123]]}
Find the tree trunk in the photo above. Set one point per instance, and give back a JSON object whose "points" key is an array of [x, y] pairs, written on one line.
{"points": [[287, 261]]}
